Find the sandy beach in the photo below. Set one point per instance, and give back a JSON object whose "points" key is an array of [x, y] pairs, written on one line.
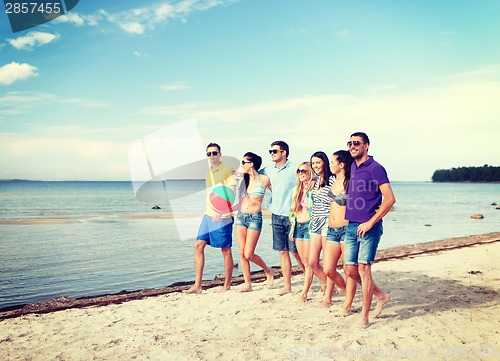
{"points": [[444, 305]]}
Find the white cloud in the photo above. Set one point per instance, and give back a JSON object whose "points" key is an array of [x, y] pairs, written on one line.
{"points": [[32, 39], [71, 17], [450, 123], [175, 86], [22, 102], [132, 27], [54, 157], [440, 126], [13, 72], [138, 20]]}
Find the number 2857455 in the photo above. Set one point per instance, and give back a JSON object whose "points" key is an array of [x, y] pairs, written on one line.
{"points": [[32, 8]]}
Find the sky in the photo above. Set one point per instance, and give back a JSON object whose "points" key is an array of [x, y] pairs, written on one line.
{"points": [[421, 78]]}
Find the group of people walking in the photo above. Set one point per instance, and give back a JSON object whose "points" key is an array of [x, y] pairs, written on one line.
{"points": [[334, 207]]}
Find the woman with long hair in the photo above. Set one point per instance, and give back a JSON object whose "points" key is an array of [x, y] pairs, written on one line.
{"points": [[249, 219], [320, 212], [340, 166], [300, 217]]}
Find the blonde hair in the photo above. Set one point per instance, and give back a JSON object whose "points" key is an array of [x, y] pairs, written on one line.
{"points": [[298, 190]]}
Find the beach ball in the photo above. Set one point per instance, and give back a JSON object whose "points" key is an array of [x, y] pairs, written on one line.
{"points": [[221, 198]]}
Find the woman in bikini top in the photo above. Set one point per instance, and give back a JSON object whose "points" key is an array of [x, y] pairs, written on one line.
{"points": [[249, 219], [340, 166]]}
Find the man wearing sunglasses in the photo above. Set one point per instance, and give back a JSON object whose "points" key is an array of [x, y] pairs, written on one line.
{"points": [[283, 180], [216, 229], [369, 199]]}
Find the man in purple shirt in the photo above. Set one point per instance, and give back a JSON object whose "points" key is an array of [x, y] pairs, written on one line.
{"points": [[370, 198]]}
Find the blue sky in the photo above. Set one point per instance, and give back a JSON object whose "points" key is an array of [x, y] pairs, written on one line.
{"points": [[422, 78]]}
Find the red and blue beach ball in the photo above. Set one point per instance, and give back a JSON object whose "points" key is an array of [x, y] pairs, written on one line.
{"points": [[222, 198]]}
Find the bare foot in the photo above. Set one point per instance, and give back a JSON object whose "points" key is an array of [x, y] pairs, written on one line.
{"points": [[302, 297], [343, 313], [363, 323], [381, 302], [324, 304], [246, 288], [193, 290], [270, 279], [224, 289], [284, 291]]}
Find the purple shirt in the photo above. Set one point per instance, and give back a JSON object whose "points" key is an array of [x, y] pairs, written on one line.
{"points": [[364, 196]]}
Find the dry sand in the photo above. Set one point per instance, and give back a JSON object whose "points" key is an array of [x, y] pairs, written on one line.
{"points": [[444, 306]]}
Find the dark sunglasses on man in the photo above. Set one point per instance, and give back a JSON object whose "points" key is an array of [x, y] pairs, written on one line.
{"points": [[213, 154], [354, 142], [274, 151]]}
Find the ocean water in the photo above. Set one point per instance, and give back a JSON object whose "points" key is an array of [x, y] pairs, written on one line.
{"points": [[114, 242]]}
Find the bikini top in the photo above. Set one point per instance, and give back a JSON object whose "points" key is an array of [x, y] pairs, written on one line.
{"points": [[303, 205], [340, 199], [258, 190]]}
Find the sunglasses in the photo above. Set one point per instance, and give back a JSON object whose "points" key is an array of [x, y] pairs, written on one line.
{"points": [[354, 142], [243, 162], [301, 171], [274, 151], [212, 153]]}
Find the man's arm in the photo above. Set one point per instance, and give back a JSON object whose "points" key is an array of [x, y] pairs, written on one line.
{"points": [[388, 201]]}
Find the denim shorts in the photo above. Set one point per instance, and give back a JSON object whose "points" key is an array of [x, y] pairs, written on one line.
{"points": [[319, 225], [336, 234], [281, 230], [252, 221], [361, 250], [301, 232], [218, 234]]}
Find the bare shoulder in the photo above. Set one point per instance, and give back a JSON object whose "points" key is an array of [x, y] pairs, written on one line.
{"points": [[264, 179]]}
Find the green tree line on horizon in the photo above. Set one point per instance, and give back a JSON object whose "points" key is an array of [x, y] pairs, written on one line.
{"points": [[486, 173]]}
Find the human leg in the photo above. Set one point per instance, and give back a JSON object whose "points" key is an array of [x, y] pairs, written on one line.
{"points": [[281, 228], [221, 236], [241, 235], [228, 267], [249, 254], [202, 239], [350, 289], [299, 261], [199, 263], [315, 246], [350, 260], [367, 251], [331, 256]]}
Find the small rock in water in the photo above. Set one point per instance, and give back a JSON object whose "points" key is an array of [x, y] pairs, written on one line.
{"points": [[474, 272], [477, 216], [498, 207], [156, 207], [428, 225], [494, 204], [219, 276]]}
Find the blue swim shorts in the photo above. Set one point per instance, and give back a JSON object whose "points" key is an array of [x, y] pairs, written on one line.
{"points": [[336, 234], [281, 230], [361, 250], [218, 234], [252, 221]]}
